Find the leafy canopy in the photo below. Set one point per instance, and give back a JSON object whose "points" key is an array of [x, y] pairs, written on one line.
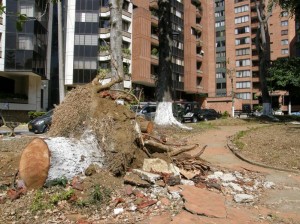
{"points": [[285, 75]]}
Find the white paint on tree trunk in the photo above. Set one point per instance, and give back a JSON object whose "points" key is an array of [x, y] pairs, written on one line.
{"points": [[164, 116], [70, 157]]}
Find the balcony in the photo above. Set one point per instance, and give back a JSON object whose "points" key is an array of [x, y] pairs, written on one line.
{"points": [[104, 30], [153, 4], [154, 39], [154, 20], [154, 59], [199, 42], [199, 57], [199, 72]]}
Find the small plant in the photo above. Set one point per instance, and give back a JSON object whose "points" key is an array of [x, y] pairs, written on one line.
{"points": [[104, 48], [154, 52], [225, 114], [58, 182], [35, 114], [237, 141], [38, 203], [62, 196], [100, 194], [126, 51]]}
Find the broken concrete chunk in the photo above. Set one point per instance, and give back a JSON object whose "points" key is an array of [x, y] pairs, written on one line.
{"points": [[228, 177], [268, 184], [243, 198], [150, 177], [187, 182], [159, 165], [134, 179]]}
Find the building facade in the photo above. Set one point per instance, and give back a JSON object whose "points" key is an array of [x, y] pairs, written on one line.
{"points": [[23, 64], [237, 82]]}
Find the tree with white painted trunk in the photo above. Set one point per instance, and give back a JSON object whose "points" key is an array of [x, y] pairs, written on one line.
{"points": [[164, 86]]}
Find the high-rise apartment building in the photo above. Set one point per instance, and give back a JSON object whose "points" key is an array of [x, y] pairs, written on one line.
{"points": [[23, 54], [236, 57]]}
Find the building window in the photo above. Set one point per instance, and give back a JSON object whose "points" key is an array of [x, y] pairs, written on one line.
{"points": [[221, 64], [104, 23], [241, 19], [244, 40], [284, 23], [243, 73], [91, 40], [125, 25], [219, 4], [220, 33], [25, 42], [243, 62], [243, 8], [27, 8], [220, 13], [85, 64], [220, 23], [241, 30], [243, 51], [243, 85], [220, 75], [220, 43], [86, 17], [104, 3], [285, 51], [221, 54], [221, 85], [284, 14], [244, 96], [237, 1], [284, 32], [285, 42]]}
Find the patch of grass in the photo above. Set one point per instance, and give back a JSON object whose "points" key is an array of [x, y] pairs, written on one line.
{"points": [[237, 139], [38, 203], [100, 195], [57, 182], [62, 196]]}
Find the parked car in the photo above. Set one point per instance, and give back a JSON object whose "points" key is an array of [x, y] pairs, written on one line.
{"points": [[147, 111], [41, 124], [278, 112], [296, 113], [201, 115]]}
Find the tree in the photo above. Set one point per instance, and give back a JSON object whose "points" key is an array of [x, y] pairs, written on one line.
{"points": [[263, 47], [292, 6], [285, 75], [164, 85], [116, 41]]}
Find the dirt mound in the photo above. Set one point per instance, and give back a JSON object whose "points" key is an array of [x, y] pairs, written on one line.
{"points": [[112, 124]]}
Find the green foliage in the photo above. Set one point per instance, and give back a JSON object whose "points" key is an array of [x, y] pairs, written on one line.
{"points": [[104, 48], [100, 194], [58, 182], [289, 5], [258, 108], [126, 51], [284, 75], [38, 203], [62, 196], [225, 114], [237, 139], [154, 51], [21, 19], [35, 114]]}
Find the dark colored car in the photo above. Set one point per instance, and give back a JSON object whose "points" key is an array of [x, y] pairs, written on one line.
{"points": [[201, 115], [41, 124]]}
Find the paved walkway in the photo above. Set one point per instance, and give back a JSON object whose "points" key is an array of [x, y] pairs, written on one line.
{"points": [[279, 205]]}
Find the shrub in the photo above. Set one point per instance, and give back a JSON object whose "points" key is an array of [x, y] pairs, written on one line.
{"points": [[35, 114]]}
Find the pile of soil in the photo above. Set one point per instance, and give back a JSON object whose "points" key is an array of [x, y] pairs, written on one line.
{"points": [[112, 124]]}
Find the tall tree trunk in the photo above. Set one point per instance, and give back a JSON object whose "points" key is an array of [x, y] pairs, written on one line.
{"points": [[263, 48], [61, 75], [164, 82], [116, 41], [164, 85]]}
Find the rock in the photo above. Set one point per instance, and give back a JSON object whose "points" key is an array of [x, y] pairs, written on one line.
{"points": [[216, 175], [150, 177], [203, 202], [243, 198], [118, 211], [134, 179], [187, 182], [159, 165], [235, 187], [268, 184], [35, 163], [227, 177], [189, 174], [92, 169], [128, 190]]}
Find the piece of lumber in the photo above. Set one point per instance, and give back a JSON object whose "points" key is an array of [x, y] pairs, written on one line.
{"points": [[184, 149], [146, 126]]}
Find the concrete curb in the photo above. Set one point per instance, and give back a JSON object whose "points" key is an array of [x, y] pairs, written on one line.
{"points": [[233, 149]]}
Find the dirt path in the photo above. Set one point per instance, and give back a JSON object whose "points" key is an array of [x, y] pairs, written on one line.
{"points": [[279, 205]]}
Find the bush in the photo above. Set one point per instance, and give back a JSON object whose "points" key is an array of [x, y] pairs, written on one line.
{"points": [[35, 114], [225, 114]]}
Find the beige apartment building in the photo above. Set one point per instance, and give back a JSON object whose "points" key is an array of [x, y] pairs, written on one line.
{"points": [[214, 57]]}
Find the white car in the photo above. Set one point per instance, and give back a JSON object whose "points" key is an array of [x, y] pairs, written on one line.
{"points": [[278, 112]]}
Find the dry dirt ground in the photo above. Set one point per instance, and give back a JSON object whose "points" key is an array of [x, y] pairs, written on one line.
{"points": [[272, 144]]}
